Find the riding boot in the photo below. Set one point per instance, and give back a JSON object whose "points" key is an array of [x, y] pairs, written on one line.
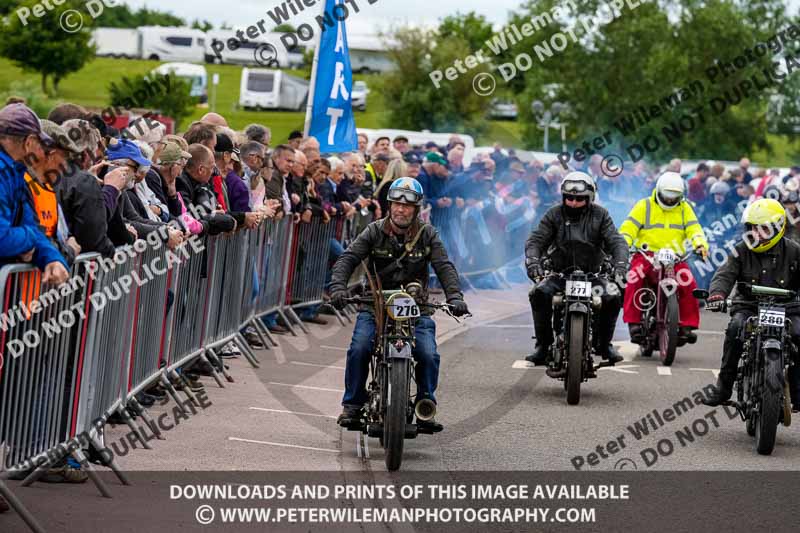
{"points": [[722, 391], [637, 333], [687, 333], [540, 354]]}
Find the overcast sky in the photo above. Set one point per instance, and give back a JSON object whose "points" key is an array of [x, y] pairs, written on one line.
{"points": [[379, 16]]}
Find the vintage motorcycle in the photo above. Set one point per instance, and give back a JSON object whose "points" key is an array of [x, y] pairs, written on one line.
{"points": [[392, 408], [572, 317], [659, 306], [763, 399]]}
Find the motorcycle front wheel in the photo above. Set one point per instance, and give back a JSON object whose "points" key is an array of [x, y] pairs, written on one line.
{"points": [[575, 359], [394, 423]]}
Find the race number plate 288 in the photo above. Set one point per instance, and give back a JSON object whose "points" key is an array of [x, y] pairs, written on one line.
{"points": [[771, 317], [404, 308], [579, 288]]}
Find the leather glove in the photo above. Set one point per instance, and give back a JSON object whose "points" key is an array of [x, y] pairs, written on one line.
{"points": [[715, 302], [338, 299], [458, 307], [535, 271], [621, 275]]}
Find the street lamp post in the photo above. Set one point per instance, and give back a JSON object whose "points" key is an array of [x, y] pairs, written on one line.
{"points": [[547, 119]]}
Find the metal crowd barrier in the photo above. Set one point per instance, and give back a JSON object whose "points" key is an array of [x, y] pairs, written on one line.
{"points": [[309, 266], [129, 324]]}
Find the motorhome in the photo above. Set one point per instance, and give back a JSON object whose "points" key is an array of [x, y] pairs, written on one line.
{"points": [[272, 89], [222, 46], [196, 75], [163, 43]]}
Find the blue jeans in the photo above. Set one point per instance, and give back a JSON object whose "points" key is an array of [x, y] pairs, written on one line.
{"points": [[358, 356], [335, 251]]}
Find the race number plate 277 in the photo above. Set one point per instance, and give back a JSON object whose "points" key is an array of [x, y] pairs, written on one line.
{"points": [[405, 308], [771, 317], [579, 288]]}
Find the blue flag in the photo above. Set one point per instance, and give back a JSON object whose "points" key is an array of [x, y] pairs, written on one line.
{"points": [[332, 121]]}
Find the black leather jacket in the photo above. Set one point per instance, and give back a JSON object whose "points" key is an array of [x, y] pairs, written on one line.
{"points": [[777, 267], [380, 247], [578, 242], [202, 196]]}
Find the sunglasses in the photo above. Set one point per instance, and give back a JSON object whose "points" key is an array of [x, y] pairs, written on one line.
{"points": [[574, 198]]}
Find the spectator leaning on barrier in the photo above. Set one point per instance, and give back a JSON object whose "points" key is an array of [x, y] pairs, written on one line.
{"points": [[193, 185], [310, 147], [214, 119], [238, 189], [169, 166], [282, 160], [21, 139], [258, 133], [414, 164], [363, 142], [697, 185], [400, 143], [297, 187], [376, 168], [80, 194], [42, 178], [744, 166], [152, 207]]}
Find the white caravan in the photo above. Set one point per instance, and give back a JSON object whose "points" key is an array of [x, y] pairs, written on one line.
{"points": [[116, 42], [163, 43], [272, 89], [196, 75], [270, 50]]}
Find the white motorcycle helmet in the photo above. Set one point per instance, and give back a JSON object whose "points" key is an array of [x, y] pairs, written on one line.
{"points": [[669, 190], [578, 184]]}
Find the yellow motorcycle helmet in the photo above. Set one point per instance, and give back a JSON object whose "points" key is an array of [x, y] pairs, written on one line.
{"points": [[765, 224]]}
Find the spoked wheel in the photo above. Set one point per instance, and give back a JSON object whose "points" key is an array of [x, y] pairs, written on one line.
{"points": [[394, 423], [668, 334], [575, 359], [771, 404]]}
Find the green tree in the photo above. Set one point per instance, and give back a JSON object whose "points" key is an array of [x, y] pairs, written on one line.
{"points": [[414, 102], [202, 26], [285, 28], [45, 47], [642, 57], [122, 17], [472, 27], [166, 93]]}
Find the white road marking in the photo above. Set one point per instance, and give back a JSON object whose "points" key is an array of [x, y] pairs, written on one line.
{"points": [[621, 369], [314, 364], [337, 348], [291, 412], [664, 370], [523, 364], [305, 387], [282, 445], [715, 371], [709, 332]]}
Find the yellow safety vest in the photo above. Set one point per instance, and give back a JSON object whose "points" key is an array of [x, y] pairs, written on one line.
{"points": [[649, 224]]}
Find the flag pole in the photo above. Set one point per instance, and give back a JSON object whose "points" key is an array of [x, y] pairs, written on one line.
{"points": [[314, 66]]}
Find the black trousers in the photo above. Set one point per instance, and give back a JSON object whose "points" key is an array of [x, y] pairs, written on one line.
{"points": [[732, 351], [604, 319]]}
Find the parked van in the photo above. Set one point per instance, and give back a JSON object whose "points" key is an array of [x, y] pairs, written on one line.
{"points": [[116, 42], [163, 43], [272, 89], [196, 75]]}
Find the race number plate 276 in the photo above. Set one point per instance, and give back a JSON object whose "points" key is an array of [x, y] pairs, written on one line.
{"points": [[405, 308], [579, 288], [772, 317]]}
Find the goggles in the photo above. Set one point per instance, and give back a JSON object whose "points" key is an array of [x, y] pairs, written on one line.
{"points": [[574, 198], [572, 187], [404, 195]]}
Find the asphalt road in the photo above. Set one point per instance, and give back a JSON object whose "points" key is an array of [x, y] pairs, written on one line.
{"points": [[501, 414]]}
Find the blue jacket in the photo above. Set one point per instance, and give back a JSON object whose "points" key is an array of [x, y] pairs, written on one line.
{"points": [[19, 225]]}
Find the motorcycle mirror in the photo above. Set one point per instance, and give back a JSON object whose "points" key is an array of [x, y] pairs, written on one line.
{"points": [[700, 294]]}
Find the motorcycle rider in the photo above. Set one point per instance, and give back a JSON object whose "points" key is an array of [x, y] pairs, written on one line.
{"points": [[577, 233], [765, 257], [664, 219], [399, 247]]}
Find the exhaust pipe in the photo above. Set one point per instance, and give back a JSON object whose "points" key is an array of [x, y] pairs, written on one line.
{"points": [[425, 410]]}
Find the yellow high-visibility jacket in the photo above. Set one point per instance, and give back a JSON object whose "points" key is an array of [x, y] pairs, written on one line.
{"points": [[649, 224]]}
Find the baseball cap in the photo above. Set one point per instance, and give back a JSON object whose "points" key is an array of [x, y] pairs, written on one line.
{"points": [[400, 138], [412, 159], [83, 133], [125, 149], [172, 153], [435, 157], [224, 143], [60, 135], [18, 120]]}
